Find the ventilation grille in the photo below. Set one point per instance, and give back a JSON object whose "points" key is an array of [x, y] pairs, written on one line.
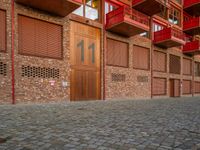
{"points": [[118, 77], [3, 69], [142, 78], [40, 72]]}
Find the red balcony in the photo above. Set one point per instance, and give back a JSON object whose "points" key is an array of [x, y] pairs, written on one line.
{"points": [[192, 27], [57, 7], [149, 7], [127, 2], [192, 7], [127, 22], [168, 38], [192, 48]]}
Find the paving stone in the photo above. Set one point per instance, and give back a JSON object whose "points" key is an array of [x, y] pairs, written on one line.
{"points": [[160, 124]]}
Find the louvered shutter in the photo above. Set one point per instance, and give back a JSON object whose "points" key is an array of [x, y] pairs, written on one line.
{"points": [[159, 86], [39, 38], [140, 57], [174, 64], [117, 53], [187, 63], [2, 30], [187, 87], [54, 41], [197, 87], [159, 61]]}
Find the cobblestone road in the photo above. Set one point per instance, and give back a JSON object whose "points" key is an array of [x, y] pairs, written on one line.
{"points": [[105, 125]]}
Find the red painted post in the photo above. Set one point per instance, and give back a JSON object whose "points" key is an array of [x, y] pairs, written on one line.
{"points": [[12, 51]]}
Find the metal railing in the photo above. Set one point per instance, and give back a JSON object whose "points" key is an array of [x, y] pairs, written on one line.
{"points": [[188, 3], [78, 1], [119, 14], [168, 33], [191, 46], [191, 23], [136, 2]]}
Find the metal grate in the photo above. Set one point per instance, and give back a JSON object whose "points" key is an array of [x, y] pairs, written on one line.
{"points": [[3, 69], [118, 77], [40, 72]]}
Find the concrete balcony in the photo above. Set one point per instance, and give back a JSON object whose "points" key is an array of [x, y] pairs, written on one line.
{"points": [[57, 7], [192, 26], [149, 7], [192, 48], [127, 22], [192, 7], [168, 38]]}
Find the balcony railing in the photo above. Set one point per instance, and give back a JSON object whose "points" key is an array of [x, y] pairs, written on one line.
{"points": [[149, 7], [127, 2], [192, 26], [192, 47], [192, 7], [127, 21], [58, 7], [169, 37], [189, 3]]}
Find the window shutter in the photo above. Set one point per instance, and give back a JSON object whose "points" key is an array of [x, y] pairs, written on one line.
{"points": [[117, 53], [140, 57], [159, 86], [2, 30], [159, 61], [187, 87], [54, 41], [39, 38], [197, 69], [26, 29], [197, 87], [174, 64], [41, 35], [187, 63]]}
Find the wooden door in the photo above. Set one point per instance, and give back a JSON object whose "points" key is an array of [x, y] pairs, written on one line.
{"points": [[171, 87], [174, 88], [85, 62]]}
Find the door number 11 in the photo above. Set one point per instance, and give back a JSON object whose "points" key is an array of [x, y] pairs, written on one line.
{"points": [[90, 47]]}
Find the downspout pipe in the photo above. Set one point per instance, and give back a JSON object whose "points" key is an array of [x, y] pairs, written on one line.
{"points": [[12, 50]]}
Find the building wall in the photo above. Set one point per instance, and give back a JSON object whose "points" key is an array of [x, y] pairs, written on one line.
{"points": [[29, 89], [5, 81], [167, 75], [34, 89], [131, 87]]}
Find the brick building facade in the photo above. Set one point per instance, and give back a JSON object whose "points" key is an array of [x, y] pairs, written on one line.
{"points": [[64, 50]]}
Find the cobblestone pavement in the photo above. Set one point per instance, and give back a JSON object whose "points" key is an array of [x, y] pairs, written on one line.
{"points": [[103, 125]]}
